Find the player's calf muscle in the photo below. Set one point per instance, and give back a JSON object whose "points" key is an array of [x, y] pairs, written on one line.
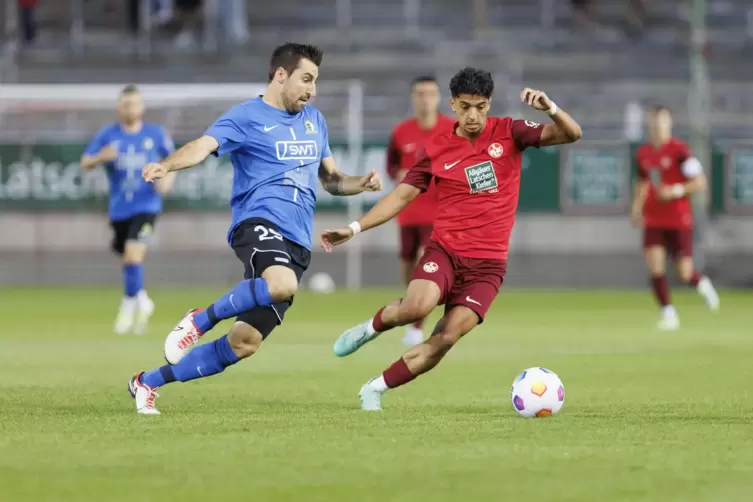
{"points": [[244, 339]]}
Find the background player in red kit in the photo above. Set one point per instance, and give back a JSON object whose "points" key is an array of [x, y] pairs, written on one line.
{"points": [[407, 139], [668, 175], [476, 168]]}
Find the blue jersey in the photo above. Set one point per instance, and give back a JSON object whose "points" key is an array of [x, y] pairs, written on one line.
{"points": [[129, 193], [275, 157]]}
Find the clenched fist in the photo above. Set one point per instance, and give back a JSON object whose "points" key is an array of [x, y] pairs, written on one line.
{"points": [[153, 171], [538, 100]]}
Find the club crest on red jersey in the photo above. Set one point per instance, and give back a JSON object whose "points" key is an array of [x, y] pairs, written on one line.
{"points": [[496, 150], [430, 267], [666, 162]]}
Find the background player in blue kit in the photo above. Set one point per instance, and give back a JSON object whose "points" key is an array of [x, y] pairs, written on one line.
{"points": [[124, 148], [279, 149]]}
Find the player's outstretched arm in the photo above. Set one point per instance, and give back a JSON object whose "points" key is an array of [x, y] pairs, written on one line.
{"points": [[106, 154], [384, 210], [564, 129], [339, 183], [186, 156]]}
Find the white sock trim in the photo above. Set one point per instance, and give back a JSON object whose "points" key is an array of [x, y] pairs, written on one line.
{"points": [[378, 384]]}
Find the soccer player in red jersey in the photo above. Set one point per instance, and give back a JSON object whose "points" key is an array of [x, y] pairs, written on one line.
{"points": [[668, 175], [406, 140], [476, 168]]}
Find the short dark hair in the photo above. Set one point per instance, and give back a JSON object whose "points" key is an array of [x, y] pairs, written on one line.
{"points": [[659, 108], [129, 89], [422, 79], [472, 81], [287, 56]]}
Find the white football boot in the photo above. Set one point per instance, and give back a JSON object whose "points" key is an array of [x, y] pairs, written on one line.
{"points": [[413, 336], [669, 321], [144, 311], [185, 335], [126, 316], [708, 293], [371, 394], [143, 395]]}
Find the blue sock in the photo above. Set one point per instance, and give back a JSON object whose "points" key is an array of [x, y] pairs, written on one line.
{"points": [[133, 279], [245, 296], [203, 361], [158, 377]]}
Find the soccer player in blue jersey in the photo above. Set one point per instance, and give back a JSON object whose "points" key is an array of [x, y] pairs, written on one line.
{"points": [[279, 149], [125, 148]]}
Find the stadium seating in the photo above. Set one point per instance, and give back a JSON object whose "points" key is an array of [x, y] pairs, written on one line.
{"points": [[594, 74]]}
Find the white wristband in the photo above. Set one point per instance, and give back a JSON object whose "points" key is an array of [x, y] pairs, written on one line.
{"points": [[552, 109], [356, 227], [679, 190]]}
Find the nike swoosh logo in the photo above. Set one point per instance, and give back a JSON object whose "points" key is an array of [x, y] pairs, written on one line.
{"points": [[450, 166], [269, 128], [198, 368], [231, 302], [469, 299]]}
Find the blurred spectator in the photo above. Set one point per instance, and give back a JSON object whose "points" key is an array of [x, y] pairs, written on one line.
{"points": [[27, 12], [583, 13], [637, 17], [190, 18], [161, 12], [233, 21]]}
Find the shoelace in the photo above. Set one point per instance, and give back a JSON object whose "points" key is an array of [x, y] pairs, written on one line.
{"points": [[150, 396], [188, 340]]}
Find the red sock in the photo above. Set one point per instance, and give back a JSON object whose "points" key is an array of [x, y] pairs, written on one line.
{"points": [[377, 323], [695, 279], [661, 289], [419, 324], [397, 374]]}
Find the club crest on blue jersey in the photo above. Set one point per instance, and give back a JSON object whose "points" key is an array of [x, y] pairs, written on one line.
{"points": [[310, 129]]}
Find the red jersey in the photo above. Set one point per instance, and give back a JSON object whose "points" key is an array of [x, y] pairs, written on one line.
{"points": [[665, 166], [407, 139], [478, 185]]}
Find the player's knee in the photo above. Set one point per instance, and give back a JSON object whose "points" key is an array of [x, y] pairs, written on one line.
{"points": [[282, 289], [245, 340], [133, 253]]}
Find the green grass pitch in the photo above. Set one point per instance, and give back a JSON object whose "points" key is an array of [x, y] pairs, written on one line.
{"points": [[649, 416]]}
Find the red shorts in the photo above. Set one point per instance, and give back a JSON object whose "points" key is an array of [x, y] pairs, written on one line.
{"points": [[677, 241], [413, 238], [473, 282]]}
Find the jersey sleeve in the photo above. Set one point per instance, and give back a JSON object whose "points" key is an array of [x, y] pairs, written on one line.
{"points": [[393, 157], [420, 175], [689, 165], [166, 144], [230, 130], [526, 133], [98, 142]]}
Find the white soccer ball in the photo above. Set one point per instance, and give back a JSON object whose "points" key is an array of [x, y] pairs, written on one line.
{"points": [[537, 392], [321, 283]]}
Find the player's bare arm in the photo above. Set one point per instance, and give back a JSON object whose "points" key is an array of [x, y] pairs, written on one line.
{"points": [[384, 210], [339, 183], [186, 156], [639, 199], [695, 183], [564, 130], [106, 154]]}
